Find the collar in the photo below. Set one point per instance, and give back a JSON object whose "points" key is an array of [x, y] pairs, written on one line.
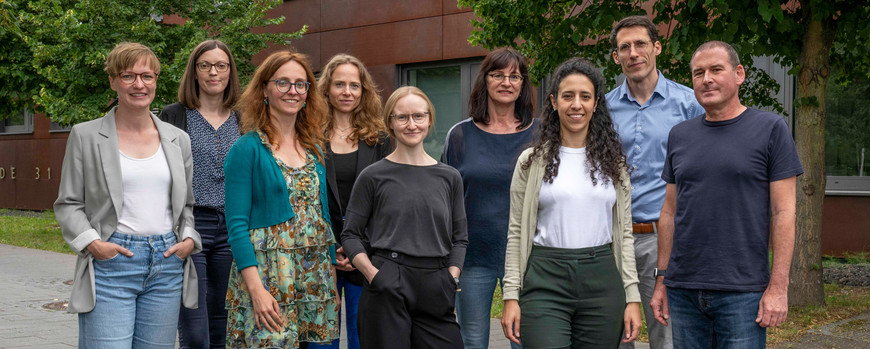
{"points": [[661, 90]]}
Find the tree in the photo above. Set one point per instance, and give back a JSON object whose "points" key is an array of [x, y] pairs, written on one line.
{"points": [[54, 50], [812, 36]]}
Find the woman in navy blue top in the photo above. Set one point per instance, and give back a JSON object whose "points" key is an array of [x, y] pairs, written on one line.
{"points": [[208, 90], [484, 148]]}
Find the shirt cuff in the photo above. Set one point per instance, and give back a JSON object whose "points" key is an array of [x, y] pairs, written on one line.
{"points": [[189, 232], [84, 239]]}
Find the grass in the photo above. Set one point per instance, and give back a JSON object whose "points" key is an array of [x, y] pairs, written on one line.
{"points": [[847, 258], [38, 230], [841, 302]]}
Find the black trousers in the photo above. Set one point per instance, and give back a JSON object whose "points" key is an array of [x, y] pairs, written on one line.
{"points": [[409, 304]]}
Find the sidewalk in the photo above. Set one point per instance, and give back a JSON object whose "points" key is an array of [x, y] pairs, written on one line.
{"points": [[31, 278]]}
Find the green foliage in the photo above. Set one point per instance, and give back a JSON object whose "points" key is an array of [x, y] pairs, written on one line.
{"points": [[846, 136], [57, 47], [549, 32]]}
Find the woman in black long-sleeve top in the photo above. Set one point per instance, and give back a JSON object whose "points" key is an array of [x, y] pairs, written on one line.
{"points": [[407, 214]]}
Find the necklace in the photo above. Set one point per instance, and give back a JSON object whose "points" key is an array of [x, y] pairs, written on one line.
{"points": [[342, 133]]}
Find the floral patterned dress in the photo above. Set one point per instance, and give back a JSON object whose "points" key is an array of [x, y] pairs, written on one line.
{"points": [[294, 264]]}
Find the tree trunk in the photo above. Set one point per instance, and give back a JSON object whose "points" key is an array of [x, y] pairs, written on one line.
{"points": [[806, 285]]}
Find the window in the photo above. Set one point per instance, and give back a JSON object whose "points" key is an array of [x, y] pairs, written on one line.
{"points": [[21, 122], [55, 127], [448, 86], [847, 161]]}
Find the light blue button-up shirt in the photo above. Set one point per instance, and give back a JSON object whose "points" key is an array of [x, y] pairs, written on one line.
{"points": [[643, 130]]}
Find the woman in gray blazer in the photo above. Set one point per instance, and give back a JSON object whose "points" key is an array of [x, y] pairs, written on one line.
{"points": [[125, 206]]}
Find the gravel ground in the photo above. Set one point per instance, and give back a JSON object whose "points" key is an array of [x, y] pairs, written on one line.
{"points": [[848, 275]]}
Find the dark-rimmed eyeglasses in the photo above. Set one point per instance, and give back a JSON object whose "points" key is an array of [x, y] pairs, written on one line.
{"points": [[206, 66], [284, 85], [130, 78], [499, 77], [404, 119], [639, 45]]}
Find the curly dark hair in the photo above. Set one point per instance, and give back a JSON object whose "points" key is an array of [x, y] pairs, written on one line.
{"points": [[603, 149]]}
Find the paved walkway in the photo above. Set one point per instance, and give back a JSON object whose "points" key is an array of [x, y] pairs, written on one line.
{"points": [[31, 278]]}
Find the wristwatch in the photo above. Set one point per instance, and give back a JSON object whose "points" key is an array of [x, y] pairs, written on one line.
{"points": [[659, 272]]}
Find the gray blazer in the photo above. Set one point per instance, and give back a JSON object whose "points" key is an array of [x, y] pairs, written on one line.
{"points": [[91, 195]]}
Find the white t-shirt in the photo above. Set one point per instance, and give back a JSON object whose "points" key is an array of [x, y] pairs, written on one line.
{"points": [[572, 212], [147, 191]]}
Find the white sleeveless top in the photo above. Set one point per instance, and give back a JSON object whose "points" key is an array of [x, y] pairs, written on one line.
{"points": [[572, 212], [147, 208]]}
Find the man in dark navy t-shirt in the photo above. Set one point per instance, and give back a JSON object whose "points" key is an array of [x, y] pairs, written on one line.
{"points": [[730, 196]]}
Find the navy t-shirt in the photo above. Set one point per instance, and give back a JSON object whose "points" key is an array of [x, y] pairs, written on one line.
{"points": [[486, 162], [723, 171]]}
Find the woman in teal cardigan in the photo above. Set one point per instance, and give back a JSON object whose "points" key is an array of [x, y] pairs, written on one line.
{"points": [[282, 286]]}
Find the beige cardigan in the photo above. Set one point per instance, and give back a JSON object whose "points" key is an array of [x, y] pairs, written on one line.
{"points": [[523, 223]]}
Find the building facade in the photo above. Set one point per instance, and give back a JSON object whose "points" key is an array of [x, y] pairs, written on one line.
{"points": [[424, 43]]}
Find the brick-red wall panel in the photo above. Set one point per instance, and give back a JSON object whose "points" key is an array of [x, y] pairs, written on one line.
{"points": [[455, 33], [845, 225], [339, 14], [392, 43]]}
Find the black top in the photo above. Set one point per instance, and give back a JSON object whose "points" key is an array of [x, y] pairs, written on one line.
{"points": [[415, 210], [345, 176], [175, 114], [365, 156]]}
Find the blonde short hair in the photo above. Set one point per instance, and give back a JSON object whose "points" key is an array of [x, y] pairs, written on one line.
{"points": [[126, 54], [400, 93]]}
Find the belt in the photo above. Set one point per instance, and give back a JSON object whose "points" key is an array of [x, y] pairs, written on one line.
{"points": [[413, 261], [645, 228]]}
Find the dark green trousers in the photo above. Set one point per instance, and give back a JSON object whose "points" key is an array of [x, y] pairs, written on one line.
{"points": [[571, 298]]}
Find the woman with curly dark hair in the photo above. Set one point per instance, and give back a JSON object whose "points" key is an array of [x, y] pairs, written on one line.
{"points": [[569, 264]]}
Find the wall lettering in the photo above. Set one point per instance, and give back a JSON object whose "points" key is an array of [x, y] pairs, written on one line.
{"points": [[39, 173]]}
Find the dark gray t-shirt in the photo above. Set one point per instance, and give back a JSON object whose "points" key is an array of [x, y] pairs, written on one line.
{"points": [[414, 210], [723, 171]]}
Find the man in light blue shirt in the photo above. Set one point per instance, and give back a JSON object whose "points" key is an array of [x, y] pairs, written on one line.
{"points": [[644, 108]]}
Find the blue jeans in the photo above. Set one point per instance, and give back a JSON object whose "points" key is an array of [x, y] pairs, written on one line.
{"points": [[351, 293], [474, 303], [206, 326], [138, 297], [715, 319]]}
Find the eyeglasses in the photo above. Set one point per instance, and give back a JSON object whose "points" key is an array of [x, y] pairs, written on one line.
{"points": [[341, 85], [206, 66], [499, 77], [404, 119], [639, 45], [284, 85], [130, 78]]}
